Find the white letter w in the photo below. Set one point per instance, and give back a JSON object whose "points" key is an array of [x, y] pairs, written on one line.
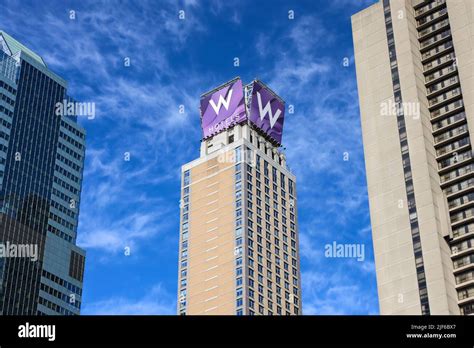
{"points": [[267, 110], [221, 101]]}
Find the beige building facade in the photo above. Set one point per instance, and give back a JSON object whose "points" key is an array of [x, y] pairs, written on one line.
{"points": [[239, 236], [415, 68]]}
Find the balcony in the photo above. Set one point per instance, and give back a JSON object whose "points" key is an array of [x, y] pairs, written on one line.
{"points": [[431, 7], [442, 86], [457, 190], [458, 205], [448, 123], [438, 75], [444, 98], [456, 175], [462, 279], [435, 28], [433, 41], [446, 150], [451, 163], [437, 63], [466, 296], [437, 51], [426, 21], [446, 110], [462, 248], [464, 263], [450, 135], [468, 309], [454, 162]]}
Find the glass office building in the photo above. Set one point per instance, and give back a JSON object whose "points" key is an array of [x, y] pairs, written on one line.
{"points": [[41, 165]]}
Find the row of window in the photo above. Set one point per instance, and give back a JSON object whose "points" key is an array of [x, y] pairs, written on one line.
{"points": [[66, 186], [61, 221], [7, 87], [60, 234], [68, 299], [5, 123], [464, 261], [72, 129], [55, 307], [458, 247], [6, 111], [4, 135], [7, 100], [64, 283], [63, 209], [66, 173], [71, 140], [63, 196], [70, 151], [406, 162], [462, 230], [268, 150], [68, 162]]}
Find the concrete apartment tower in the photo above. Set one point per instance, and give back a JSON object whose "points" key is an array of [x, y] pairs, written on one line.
{"points": [[415, 68], [238, 250], [41, 164]]}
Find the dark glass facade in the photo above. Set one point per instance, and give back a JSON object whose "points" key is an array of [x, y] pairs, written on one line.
{"points": [[41, 156]]}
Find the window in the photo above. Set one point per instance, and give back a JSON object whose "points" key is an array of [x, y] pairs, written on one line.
{"points": [[239, 292], [186, 178]]}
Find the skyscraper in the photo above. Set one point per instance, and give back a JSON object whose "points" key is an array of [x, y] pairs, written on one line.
{"points": [[239, 235], [415, 67], [41, 164]]}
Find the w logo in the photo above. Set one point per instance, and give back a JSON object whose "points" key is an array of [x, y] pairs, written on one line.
{"points": [[221, 102], [267, 110]]}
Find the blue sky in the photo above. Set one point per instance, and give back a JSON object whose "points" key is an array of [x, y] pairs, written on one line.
{"points": [[172, 62]]}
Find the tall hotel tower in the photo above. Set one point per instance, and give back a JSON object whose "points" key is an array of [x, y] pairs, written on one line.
{"points": [[41, 161], [415, 69], [239, 236]]}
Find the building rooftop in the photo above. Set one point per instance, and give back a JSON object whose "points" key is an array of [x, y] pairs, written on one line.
{"points": [[14, 47]]}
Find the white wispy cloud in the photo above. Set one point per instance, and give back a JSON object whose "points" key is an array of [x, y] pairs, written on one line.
{"points": [[324, 149], [120, 201], [335, 294], [156, 301]]}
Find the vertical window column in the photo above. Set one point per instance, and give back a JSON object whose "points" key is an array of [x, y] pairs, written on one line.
{"points": [[238, 234], [413, 216], [184, 244]]}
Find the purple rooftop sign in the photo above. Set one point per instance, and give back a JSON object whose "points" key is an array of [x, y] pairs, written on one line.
{"points": [[267, 111], [223, 108]]}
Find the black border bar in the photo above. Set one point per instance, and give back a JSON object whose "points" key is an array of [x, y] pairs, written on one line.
{"points": [[233, 330]]}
